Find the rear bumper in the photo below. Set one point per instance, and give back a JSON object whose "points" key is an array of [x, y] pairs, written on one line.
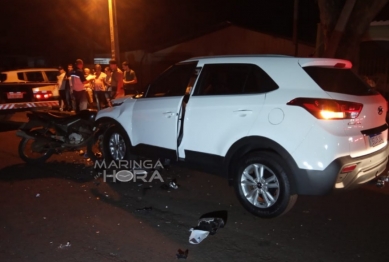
{"points": [[313, 182], [23, 106]]}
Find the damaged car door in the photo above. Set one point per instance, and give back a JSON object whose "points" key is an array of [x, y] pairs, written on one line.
{"points": [[155, 117]]}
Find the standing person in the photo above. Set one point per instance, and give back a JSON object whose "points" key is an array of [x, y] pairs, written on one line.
{"points": [[78, 81], [100, 87], [108, 89], [89, 86], [68, 91], [129, 80], [61, 88], [116, 79]]}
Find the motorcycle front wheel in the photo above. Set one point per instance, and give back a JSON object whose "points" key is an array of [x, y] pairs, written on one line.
{"points": [[34, 151]]}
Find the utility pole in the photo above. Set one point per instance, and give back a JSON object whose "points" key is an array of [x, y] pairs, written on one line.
{"points": [[115, 52]]}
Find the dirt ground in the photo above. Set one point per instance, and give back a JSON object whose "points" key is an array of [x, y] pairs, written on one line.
{"points": [[45, 207]]}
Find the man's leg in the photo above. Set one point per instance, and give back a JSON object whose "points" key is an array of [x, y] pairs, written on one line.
{"points": [[83, 102], [114, 91], [69, 100], [107, 95], [96, 95], [76, 100], [62, 99], [89, 93]]}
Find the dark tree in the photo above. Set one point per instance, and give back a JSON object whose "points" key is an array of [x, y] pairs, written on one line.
{"points": [[344, 22]]}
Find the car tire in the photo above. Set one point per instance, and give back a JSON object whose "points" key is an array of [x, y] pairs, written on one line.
{"points": [[267, 195], [29, 160], [116, 144]]}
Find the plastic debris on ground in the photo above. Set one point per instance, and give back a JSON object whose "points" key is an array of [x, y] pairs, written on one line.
{"points": [[173, 185], [67, 245], [182, 254], [38, 195], [205, 227]]}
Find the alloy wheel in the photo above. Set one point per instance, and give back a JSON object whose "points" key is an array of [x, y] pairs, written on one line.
{"points": [[260, 185]]}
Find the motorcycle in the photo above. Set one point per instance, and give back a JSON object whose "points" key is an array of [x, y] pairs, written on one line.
{"points": [[46, 134]]}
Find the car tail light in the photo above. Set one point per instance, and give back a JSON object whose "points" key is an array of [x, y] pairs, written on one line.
{"points": [[328, 108], [348, 169], [43, 95]]}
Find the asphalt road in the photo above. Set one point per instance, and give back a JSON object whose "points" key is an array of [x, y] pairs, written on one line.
{"points": [[44, 207]]}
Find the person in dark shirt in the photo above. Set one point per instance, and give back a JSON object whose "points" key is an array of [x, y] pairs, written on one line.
{"points": [[129, 80], [116, 80]]}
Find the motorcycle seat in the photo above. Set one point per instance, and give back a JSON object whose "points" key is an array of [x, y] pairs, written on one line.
{"points": [[85, 115]]}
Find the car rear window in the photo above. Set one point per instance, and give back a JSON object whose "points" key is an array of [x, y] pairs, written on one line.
{"points": [[339, 81]]}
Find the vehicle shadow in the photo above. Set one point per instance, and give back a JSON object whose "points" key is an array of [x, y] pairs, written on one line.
{"points": [[55, 169], [9, 125]]}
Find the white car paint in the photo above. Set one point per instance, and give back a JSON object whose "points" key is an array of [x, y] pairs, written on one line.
{"points": [[213, 123], [155, 121]]}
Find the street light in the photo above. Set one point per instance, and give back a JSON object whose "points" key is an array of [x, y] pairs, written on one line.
{"points": [[113, 30]]}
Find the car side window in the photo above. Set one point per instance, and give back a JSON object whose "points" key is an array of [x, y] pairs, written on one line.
{"points": [[21, 76], [233, 79], [192, 80], [258, 81], [35, 76], [51, 76], [173, 82]]}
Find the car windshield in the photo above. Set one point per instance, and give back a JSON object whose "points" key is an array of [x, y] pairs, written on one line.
{"points": [[339, 80]]}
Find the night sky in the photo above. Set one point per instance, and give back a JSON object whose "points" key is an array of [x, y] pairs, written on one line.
{"points": [[72, 28]]}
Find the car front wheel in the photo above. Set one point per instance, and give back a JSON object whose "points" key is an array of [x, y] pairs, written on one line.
{"points": [[262, 186], [116, 144]]}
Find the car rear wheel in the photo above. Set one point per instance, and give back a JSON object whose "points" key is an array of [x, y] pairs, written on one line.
{"points": [[262, 186]]}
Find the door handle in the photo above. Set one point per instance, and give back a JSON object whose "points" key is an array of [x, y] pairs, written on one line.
{"points": [[168, 114], [243, 111]]}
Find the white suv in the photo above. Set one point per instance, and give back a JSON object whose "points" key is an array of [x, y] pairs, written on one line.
{"points": [[275, 126]]}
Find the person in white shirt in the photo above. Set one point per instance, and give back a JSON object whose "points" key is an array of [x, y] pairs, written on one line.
{"points": [[77, 83], [100, 87], [89, 86], [61, 88]]}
